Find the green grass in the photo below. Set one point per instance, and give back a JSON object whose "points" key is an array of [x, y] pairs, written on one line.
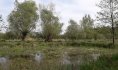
{"points": [[103, 63], [19, 54]]}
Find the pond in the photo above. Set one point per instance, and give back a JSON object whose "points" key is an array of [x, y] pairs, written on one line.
{"points": [[38, 62], [4, 62], [38, 57]]}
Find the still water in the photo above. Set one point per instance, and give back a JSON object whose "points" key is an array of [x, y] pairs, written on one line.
{"points": [[38, 61]]}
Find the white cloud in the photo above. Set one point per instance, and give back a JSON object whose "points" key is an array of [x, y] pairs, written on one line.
{"points": [[76, 9]]}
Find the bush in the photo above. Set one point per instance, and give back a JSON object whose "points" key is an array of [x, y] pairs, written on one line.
{"points": [[89, 44]]}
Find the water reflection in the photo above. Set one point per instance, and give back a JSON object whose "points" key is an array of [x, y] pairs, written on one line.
{"points": [[38, 57], [4, 63], [95, 56], [79, 59], [66, 59]]}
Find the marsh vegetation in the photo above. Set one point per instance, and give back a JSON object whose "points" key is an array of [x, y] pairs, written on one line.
{"points": [[82, 46]]}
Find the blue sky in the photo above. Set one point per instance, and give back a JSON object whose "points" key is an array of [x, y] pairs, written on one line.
{"points": [[65, 9]]}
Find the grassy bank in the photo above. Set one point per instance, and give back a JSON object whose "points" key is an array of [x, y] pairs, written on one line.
{"points": [[59, 55], [103, 63]]}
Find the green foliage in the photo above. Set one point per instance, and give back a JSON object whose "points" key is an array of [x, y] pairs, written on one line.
{"points": [[10, 35], [87, 26], [105, 31], [87, 22], [108, 14], [103, 63], [116, 32], [2, 35], [1, 20], [98, 44], [21, 56], [22, 19], [51, 26], [72, 31]]}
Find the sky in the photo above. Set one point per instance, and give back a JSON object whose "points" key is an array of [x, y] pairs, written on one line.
{"points": [[65, 9]]}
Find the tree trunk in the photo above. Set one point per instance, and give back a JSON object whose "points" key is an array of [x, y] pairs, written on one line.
{"points": [[113, 34], [112, 22], [24, 34], [48, 38], [23, 38]]}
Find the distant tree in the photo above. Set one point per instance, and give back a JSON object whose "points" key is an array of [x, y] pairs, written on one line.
{"points": [[72, 31], [0, 18], [22, 19], [116, 30], [109, 14], [10, 35], [103, 32], [51, 27], [87, 25], [1, 35]]}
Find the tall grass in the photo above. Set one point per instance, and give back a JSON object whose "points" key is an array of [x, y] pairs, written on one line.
{"points": [[20, 59], [103, 63]]}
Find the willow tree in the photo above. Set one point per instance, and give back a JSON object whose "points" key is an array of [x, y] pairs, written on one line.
{"points": [[72, 31], [51, 27], [109, 14], [87, 25], [22, 19]]}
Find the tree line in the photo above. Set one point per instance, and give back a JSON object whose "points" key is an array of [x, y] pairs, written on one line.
{"points": [[22, 21]]}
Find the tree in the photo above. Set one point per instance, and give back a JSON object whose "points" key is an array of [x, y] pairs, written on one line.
{"points": [[103, 32], [51, 27], [72, 31], [87, 25], [109, 14], [22, 19], [0, 18]]}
